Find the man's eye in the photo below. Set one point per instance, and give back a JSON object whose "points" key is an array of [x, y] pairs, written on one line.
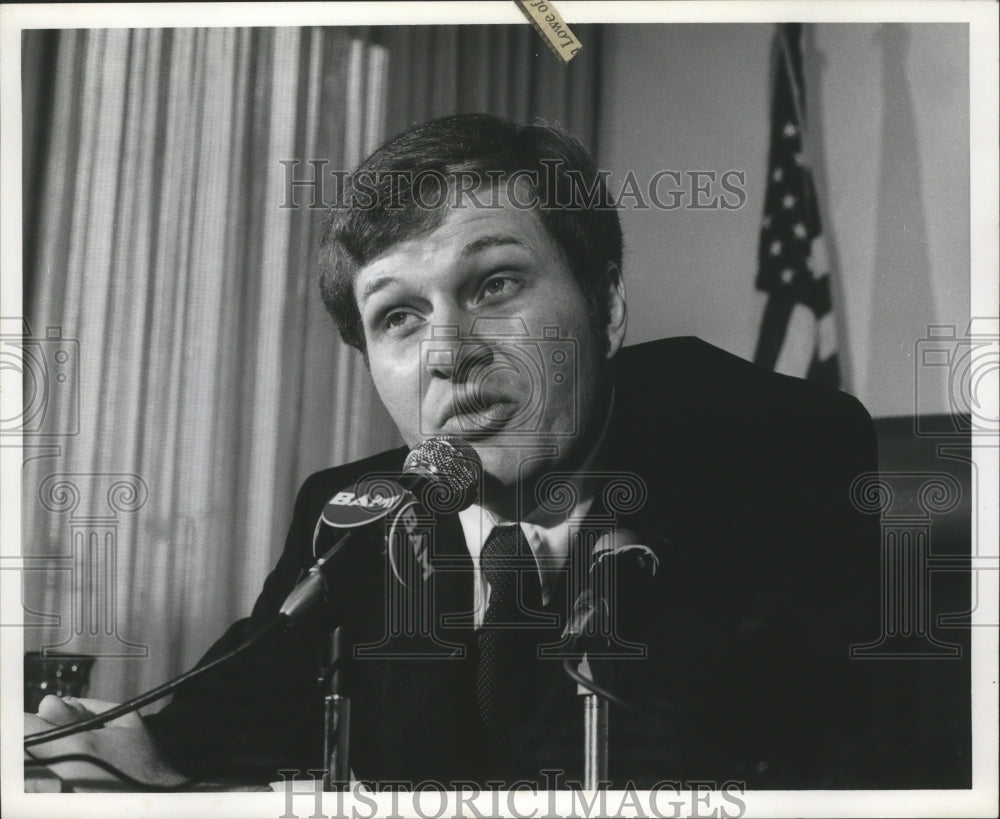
{"points": [[397, 319], [499, 286]]}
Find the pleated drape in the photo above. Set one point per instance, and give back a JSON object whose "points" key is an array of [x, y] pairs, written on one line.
{"points": [[208, 379], [505, 70]]}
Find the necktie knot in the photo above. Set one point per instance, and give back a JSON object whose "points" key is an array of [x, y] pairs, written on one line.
{"points": [[505, 555]]}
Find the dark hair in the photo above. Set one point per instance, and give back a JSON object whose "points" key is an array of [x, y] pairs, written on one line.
{"points": [[384, 201]]}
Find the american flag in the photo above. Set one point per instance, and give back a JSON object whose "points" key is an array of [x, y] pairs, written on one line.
{"points": [[797, 333]]}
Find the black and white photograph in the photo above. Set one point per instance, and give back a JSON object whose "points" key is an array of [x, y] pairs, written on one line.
{"points": [[500, 409]]}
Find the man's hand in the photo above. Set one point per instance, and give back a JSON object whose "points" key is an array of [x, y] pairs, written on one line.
{"points": [[123, 742]]}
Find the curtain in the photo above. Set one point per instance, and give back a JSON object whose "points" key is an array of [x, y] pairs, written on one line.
{"points": [[505, 70], [190, 378]]}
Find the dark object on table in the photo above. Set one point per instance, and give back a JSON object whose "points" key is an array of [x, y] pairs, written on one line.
{"points": [[62, 675]]}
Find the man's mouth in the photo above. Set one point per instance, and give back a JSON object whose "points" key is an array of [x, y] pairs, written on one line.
{"points": [[484, 415]]}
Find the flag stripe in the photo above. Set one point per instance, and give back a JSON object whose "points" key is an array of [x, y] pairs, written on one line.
{"points": [[772, 334], [826, 336], [826, 371], [798, 350]]}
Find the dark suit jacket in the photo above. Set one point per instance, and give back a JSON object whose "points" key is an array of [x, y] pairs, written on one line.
{"points": [[767, 575]]}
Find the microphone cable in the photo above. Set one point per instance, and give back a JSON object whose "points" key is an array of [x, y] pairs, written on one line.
{"points": [[448, 462], [152, 695], [180, 787], [604, 693]]}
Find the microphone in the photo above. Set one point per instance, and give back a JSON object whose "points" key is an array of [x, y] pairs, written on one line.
{"points": [[615, 555], [440, 476]]}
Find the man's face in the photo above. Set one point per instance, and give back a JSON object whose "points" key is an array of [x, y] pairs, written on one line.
{"points": [[513, 397]]}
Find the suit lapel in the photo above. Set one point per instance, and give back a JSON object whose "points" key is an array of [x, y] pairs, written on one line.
{"points": [[413, 682]]}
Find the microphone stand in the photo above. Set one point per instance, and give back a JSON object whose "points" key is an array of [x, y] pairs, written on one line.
{"points": [[336, 723], [595, 735], [592, 623], [583, 631]]}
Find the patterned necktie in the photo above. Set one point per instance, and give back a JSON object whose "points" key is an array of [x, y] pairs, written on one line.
{"points": [[506, 668]]}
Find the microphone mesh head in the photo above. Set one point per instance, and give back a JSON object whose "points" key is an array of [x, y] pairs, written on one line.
{"points": [[451, 463]]}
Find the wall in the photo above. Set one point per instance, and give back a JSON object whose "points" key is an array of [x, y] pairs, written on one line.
{"points": [[889, 132]]}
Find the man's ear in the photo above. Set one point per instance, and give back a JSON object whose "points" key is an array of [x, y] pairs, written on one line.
{"points": [[616, 309]]}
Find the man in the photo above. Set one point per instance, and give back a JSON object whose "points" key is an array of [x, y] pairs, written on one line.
{"points": [[479, 272]]}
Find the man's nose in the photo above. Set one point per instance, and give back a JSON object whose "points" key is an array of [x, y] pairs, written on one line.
{"points": [[463, 347], [451, 353]]}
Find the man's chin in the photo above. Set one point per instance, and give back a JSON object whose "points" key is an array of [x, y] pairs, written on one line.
{"points": [[509, 461]]}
